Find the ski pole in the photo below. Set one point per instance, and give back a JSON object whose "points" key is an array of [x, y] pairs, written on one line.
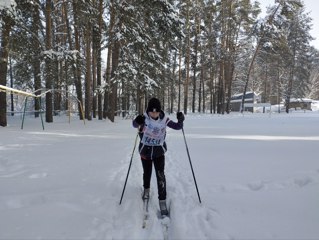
{"points": [[190, 162], [129, 168]]}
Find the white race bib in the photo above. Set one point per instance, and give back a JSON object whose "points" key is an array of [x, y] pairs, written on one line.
{"points": [[154, 132]]}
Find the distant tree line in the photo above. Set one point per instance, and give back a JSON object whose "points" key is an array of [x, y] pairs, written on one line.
{"points": [[192, 54]]}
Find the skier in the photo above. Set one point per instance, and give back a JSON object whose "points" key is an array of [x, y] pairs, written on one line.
{"points": [[152, 131]]}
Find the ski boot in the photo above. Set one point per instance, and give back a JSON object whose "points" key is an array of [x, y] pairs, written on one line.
{"points": [[163, 208], [146, 194]]}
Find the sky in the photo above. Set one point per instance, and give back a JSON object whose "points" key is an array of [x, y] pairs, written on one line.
{"points": [[311, 6], [257, 175]]}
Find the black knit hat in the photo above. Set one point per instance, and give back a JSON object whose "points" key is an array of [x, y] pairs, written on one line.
{"points": [[154, 105]]}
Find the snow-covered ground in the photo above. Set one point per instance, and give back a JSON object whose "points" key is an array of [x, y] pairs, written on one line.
{"points": [[258, 177]]}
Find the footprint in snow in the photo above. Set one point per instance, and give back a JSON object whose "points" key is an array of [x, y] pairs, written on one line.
{"points": [[256, 186], [301, 182]]}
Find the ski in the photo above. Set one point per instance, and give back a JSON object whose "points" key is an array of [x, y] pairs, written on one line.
{"points": [[145, 212], [165, 222]]}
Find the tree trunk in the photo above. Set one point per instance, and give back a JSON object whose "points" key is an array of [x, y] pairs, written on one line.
{"points": [[186, 83], [11, 85], [94, 69], [36, 60], [289, 90], [4, 53], [173, 83], [221, 88], [57, 87], [99, 63], [179, 79], [194, 66], [194, 61], [113, 98], [48, 63], [77, 79], [114, 64], [201, 91], [88, 75], [107, 80], [107, 92], [221, 82]]}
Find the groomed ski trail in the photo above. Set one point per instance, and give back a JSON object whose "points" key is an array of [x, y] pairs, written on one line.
{"points": [[185, 210], [125, 221], [248, 187], [185, 207]]}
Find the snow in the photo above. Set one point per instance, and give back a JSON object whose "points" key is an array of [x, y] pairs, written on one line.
{"points": [[7, 4], [258, 177]]}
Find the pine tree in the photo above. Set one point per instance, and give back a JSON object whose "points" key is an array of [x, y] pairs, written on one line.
{"points": [[4, 53]]}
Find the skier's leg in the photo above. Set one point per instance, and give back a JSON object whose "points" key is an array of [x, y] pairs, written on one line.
{"points": [[159, 164], [147, 173]]}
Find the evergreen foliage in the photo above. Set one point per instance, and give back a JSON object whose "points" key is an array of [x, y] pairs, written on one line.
{"points": [[193, 55]]}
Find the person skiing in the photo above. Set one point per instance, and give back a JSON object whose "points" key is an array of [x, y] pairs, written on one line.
{"points": [[152, 132]]}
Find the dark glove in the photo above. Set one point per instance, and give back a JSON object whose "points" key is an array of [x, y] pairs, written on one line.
{"points": [[180, 117], [140, 119]]}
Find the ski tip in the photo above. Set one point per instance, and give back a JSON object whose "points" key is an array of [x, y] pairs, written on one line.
{"points": [[165, 220]]}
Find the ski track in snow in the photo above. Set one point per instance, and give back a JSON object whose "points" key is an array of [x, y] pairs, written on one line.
{"points": [[185, 209]]}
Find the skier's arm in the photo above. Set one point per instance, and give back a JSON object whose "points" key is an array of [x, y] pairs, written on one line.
{"points": [[179, 124], [134, 123], [138, 121], [175, 125]]}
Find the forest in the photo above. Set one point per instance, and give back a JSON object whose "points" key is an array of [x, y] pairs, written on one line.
{"points": [[106, 58]]}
